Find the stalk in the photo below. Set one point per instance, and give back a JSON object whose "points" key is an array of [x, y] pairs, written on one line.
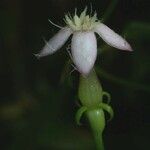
{"points": [[97, 123]]}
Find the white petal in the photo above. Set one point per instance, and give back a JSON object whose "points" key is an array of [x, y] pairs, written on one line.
{"points": [[56, 42], [112, 38], [84, 51]]}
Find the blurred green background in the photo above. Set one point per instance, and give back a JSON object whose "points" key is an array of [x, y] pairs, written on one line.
{"points": [[38, 98]]}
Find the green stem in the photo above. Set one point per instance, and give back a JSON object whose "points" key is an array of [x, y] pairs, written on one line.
{"points": [[99, 141], [96, 119]]}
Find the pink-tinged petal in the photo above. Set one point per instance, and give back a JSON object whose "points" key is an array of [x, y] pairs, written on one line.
{"points": [[112, 38], [84, 51], [55, 43]]}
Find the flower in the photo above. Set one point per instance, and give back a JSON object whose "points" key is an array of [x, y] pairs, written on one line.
{"points": [[83, 43]]}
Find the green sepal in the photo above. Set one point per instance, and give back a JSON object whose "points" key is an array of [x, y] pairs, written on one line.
{"points": [[108, 109], [79, 114], [107, 95], [90, 90]]}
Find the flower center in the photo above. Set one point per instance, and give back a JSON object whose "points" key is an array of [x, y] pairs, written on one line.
{"points": [[81, 23]]}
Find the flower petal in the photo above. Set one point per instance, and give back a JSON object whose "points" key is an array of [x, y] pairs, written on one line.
{"points": [[55, 42], [84, 51], [112, 38]]}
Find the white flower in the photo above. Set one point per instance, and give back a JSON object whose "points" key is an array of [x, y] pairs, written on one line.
{"points": [[83, 44]]}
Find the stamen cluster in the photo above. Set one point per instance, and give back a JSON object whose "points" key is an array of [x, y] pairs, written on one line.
{"points": [[82, 22]]}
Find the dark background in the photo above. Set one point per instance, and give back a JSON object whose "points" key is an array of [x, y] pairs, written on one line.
{"points": [[38, 98]]}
